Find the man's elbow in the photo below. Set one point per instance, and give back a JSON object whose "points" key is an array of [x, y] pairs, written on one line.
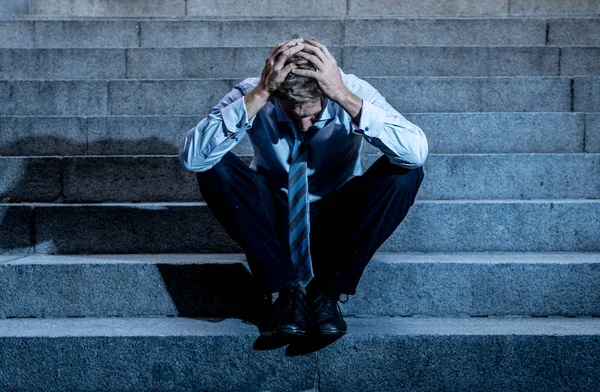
{"points": [[412, 159]]}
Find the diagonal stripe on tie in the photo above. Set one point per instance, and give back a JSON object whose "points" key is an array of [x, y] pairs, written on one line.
{"points": [[299, 217]]}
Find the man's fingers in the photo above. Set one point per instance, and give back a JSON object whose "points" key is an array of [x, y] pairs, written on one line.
{"points": [[322, 47], [284, 45], [313, 59], [304, 72], [286, 70], [316, 51], [283, 56]]}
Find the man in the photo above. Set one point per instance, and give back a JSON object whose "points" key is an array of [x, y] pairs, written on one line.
{"points": [[307, 217]]}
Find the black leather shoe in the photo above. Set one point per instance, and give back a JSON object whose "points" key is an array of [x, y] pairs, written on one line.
{"points": [[290, 311], [326, 317]]}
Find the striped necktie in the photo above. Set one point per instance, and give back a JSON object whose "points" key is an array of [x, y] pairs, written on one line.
{"points": [[299, 214]]}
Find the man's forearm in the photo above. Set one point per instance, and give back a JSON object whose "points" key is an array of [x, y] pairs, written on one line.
{"points": [[352, 105], [255, 100]]}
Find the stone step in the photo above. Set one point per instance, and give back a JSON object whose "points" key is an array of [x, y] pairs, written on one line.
{"points": [[312, 8], [198, 96], [163, 178], [431, 226], [400, 354], [132, 33], [213, 285], [446, 133], [184, 63]]}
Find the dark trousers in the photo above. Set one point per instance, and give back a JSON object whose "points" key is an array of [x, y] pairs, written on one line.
{"points": [[347, 225]]}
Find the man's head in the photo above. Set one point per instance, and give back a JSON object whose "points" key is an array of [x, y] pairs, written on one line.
{"points": [[300, 97]]}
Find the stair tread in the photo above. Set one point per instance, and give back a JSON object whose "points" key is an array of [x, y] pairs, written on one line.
{"points": [[379, 257], [399, 326]]}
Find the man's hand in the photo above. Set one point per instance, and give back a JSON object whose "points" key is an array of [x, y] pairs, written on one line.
{"points": [[275, 70], [273, 74], [327, 74], [328, 77]]}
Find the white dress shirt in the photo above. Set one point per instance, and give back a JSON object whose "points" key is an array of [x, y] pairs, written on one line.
{"points": [[334, 141]]}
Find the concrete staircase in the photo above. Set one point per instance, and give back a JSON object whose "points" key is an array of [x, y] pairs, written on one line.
{"points": [[114, 276]]}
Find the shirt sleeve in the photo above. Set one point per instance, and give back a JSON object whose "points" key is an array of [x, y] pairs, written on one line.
{"points": [[204, 145], [382, 126]]}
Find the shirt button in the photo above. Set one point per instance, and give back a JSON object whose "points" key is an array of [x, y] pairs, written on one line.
{"points": [[366, 128]]}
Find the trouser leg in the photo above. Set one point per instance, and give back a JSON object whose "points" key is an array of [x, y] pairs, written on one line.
{"points": [[252, 215], [352, 222]]}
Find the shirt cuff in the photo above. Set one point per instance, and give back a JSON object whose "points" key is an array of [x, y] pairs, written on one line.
{"points": [[371, 120], [235, 116]]}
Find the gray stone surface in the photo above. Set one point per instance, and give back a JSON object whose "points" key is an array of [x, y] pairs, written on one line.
{"points": [[450, 61], [427, 94], [436, 31], [97, 8], [133, 135], [129, 228], [53, 98], [42, 135], [49, 64], [554, 7], [211, 285], [184, 63], [152, 354], [592, 134], [266, 8], [170, 97], [16, 228], [482, 94], [431, 226], [505, 176], [163, 178], [501, 132], [574, 31], [428, 8], [10, 8], [25, 179], [478, 284], [219, 33], [504, 226], [127, 285], [138, 178], [69, 34], [580, 61], [586, 91], [386, 354], [453, 359], [16, 34], [160, 135]]}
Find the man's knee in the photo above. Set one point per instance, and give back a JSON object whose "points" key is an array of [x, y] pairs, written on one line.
{"points": [[406, 181], [221, 172]]}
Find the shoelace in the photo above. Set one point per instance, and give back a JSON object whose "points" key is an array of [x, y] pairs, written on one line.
{"points": [[287, 296], [325, 304]]}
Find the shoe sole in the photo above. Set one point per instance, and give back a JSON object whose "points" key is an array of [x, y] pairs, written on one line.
{"points": [[289, 333], [331, 333]]}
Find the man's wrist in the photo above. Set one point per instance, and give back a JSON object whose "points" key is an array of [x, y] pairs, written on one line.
{"points": [[255, 100], [351, 104]]}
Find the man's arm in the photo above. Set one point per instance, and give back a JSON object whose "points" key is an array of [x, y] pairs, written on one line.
{"points": [[204, 145], [381, 125]]}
